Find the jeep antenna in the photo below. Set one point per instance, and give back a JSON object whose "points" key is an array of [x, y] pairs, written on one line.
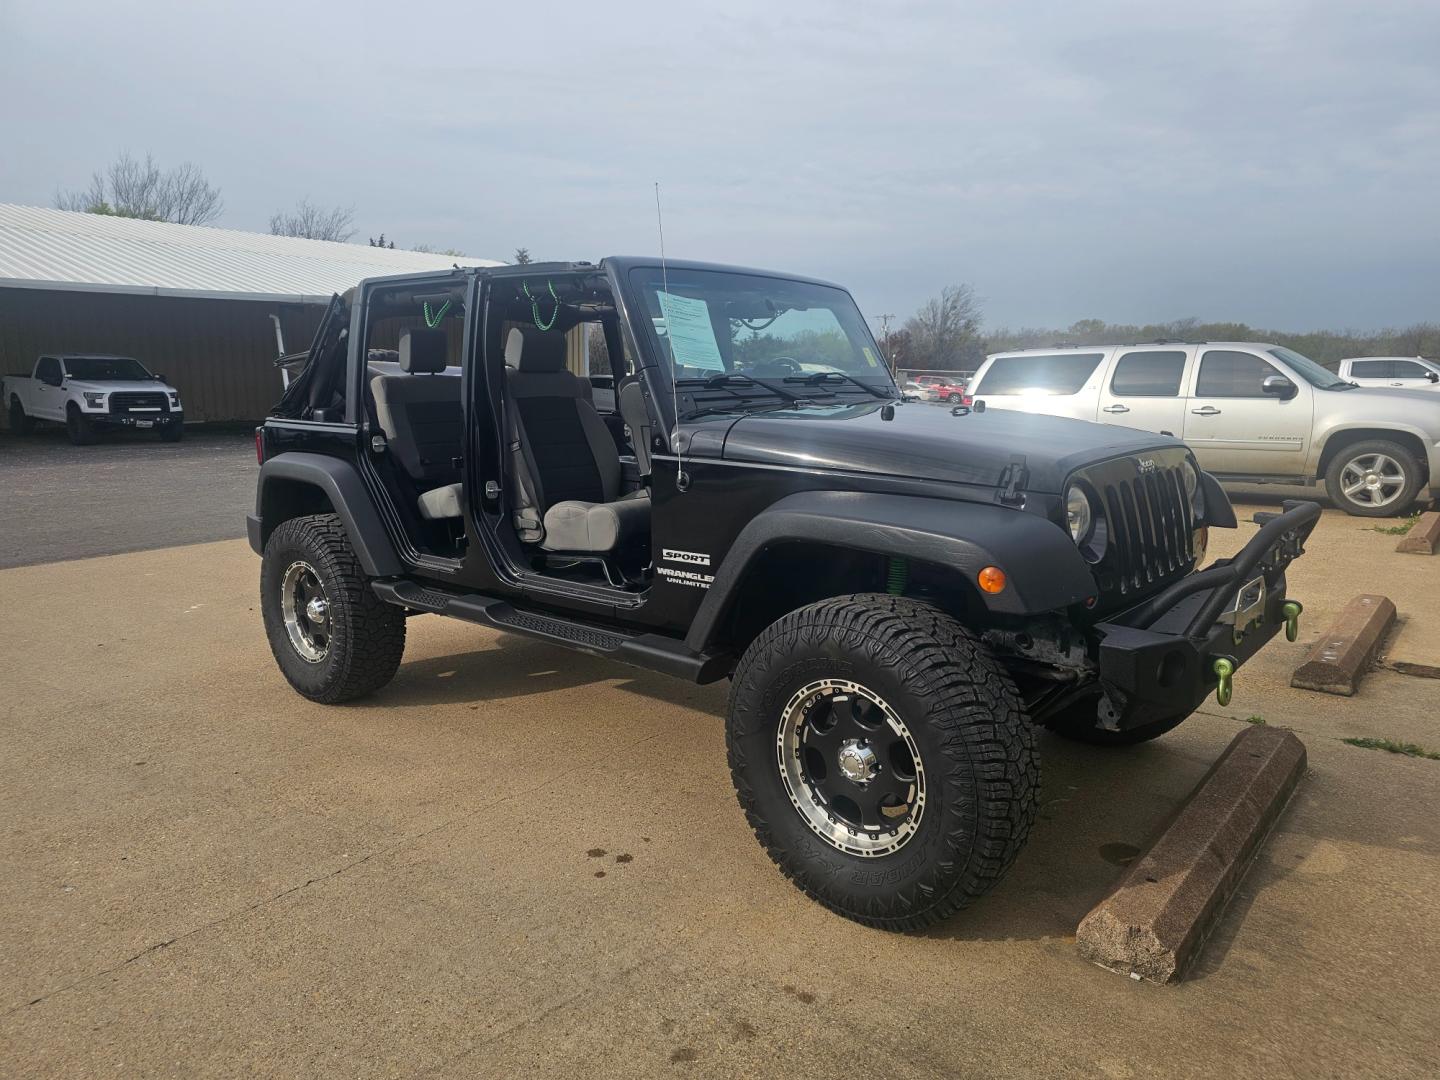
{"points": [[681, 481]]}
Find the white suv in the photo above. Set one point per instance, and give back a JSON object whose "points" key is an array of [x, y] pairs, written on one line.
{"points": [[1251, 412], [1402, 372]]}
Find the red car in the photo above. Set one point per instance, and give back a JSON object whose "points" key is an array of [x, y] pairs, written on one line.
{"points": [[953, 393]]}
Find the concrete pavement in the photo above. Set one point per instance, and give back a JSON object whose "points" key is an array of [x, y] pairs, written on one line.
{"points": [[521, 861]]}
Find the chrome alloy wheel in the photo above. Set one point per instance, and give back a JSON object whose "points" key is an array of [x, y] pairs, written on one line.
{"points": [[1372, 479], [851, 768], [305, 609]]}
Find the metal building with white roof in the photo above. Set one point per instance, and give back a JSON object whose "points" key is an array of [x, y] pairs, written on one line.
{"points": [[191, 301]]}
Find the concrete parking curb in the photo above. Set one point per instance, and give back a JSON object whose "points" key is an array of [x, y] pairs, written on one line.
{"points": [[1154, 923], [1339, 660], [1423, 537]]}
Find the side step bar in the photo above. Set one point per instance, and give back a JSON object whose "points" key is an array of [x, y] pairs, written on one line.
{"points": [[654, 652]]}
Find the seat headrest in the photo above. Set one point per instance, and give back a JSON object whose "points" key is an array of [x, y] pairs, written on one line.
{"points": [[534, 350], [423, 351]]}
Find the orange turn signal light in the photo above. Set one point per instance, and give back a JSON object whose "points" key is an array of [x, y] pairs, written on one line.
{"points": [[991, 579]]}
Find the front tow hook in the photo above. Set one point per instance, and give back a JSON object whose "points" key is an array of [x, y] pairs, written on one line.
{"points": [[1291, 610], [1224, 669]]}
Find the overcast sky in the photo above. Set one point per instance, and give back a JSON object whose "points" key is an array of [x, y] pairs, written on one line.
{"points": [[1274, 163]]}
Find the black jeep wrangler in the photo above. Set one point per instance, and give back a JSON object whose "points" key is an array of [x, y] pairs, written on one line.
{"points": [[710, 472]]}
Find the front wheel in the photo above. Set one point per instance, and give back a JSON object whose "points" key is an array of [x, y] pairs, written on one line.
{"points": [[172, 433], [333, 638], [882, 758], [1374, 478], [78, 426]]}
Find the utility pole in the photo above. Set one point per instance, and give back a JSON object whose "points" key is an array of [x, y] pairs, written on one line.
{"points": [[885, 339]]}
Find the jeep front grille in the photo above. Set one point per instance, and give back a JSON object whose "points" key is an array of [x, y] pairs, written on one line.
{"points": [[139, 401], [1150, 525]]}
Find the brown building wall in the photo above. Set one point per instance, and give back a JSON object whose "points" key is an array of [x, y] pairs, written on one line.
{"points": [[219, 354]]}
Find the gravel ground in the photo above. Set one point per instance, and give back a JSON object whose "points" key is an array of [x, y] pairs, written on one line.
{"points": [[129, 493]]}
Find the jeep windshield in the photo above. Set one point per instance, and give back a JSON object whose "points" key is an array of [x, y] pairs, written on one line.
{"points": [[106, 369], [759, 339]]}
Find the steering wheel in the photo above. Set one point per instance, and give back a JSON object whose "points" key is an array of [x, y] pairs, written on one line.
{"points": [[787, 364]]}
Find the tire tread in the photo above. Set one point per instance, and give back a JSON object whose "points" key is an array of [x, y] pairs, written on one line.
{"points": [[375, 629], [982, 729]]}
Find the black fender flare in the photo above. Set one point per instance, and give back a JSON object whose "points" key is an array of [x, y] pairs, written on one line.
{"points": [[1218, 511], [346, 492], [1045, 569]]}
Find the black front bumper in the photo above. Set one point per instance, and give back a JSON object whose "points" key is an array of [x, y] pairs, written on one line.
{"points": [[1158, 658]]}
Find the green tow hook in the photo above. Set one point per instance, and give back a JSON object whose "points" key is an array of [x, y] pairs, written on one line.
{"points": [[1291, 610], [1224, 671]]}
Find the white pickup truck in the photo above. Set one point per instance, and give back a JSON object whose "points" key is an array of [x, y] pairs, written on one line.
{"points": [[1251, 412], [87, 392], [1399, 372]]}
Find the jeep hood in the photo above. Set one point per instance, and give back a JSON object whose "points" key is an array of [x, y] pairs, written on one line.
{"points": [[927, 442]]}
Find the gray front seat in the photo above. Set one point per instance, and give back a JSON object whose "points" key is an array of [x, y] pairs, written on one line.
{"points": [[565, 465], [422, 418]]}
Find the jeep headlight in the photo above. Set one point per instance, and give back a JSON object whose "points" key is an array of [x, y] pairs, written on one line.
{"points": [[1078, 515], [94, 399], [174, 399], [1191, 479]]}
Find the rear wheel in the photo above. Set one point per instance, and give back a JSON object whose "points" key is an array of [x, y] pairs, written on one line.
{"points": [[333, 638], [78, 426], [1374, 478], [953, 399], [19, 422], [882, 758]]}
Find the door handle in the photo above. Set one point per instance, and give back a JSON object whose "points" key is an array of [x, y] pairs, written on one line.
{"points": [[1116, 408], [1208, 410]]}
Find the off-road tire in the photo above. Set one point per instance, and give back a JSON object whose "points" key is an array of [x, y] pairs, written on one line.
{"points": [[1079, 723], [78, 426], [366, 635], [172, 433], [20, 424], [1334, 486], [976, 744]]}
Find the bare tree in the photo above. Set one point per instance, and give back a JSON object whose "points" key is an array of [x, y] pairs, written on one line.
{"points": [[945, 331], [314, 222], [141, 189]]}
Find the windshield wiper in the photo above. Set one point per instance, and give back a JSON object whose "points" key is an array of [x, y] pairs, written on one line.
{"points": [[722, 382], [820, 376]]}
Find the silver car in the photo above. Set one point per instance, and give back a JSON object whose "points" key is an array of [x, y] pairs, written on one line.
{"points": [[1252, 412]]}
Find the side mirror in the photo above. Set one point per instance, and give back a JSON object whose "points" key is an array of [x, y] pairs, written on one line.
{"points": [[1278, 386], [1432, 376], [160, 378]]}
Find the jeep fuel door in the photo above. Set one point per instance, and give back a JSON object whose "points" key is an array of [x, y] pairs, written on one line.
{"points": [[1234, 426], [1145, 389]]}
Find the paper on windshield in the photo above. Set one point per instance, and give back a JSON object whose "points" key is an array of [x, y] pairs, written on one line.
{"points": [[692, 335]]}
